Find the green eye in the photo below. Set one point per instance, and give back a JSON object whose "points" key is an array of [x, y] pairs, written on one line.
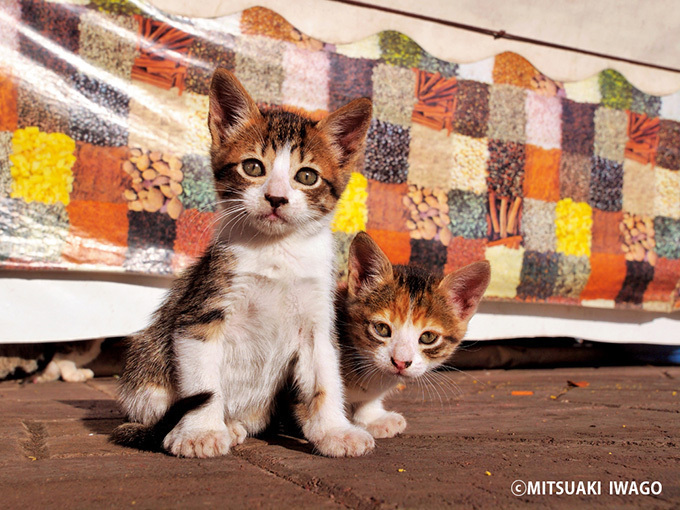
{"points": [[428, 338], [307, 176], [253, 167], [382, 329]]}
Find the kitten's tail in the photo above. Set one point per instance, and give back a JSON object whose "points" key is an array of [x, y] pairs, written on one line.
{"points": [[150, 437]]}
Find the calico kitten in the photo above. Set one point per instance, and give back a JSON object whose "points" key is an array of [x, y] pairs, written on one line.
{"points": [[396, 323], [257, 308]]}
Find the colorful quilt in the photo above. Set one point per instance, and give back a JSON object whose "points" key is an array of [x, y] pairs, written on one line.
{"points": [[570, 190]]}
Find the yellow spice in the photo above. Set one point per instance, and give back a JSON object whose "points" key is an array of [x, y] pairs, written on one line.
{"points": [[41, 166], [352, 212], [573, 227]]}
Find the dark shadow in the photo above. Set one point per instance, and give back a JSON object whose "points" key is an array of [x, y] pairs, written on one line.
{"points": [[102, 416]]}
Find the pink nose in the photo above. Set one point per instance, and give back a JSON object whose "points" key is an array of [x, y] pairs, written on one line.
{"points": [[401, 365]]}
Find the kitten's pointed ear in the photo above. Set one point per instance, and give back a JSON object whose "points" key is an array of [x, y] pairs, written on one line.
{"points": [[230, 106], [465, 287], [347, 127], [367, 266]]}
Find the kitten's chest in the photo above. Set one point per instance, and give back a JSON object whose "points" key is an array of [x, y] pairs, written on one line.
{"points": [[283, 288]]}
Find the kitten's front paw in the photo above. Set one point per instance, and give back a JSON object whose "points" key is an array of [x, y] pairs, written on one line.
{"points": [[201, 443], [345, 442], [78, 375], [238, 432], [388, 425]]}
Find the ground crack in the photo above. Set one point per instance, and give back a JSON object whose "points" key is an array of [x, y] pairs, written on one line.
{"points": [[35, 446], [340, 495]]}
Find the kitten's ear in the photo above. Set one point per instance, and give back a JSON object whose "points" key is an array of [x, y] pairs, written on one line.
{"points": [[230, 106], [347, 127], [367, 265], [465, 287]]}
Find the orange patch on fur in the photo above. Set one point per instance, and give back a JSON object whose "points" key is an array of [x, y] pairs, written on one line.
{"points": [[317, 401]]}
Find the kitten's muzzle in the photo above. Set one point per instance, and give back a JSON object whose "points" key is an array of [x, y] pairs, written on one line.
{"points": [[275, 201], [400, 365]]}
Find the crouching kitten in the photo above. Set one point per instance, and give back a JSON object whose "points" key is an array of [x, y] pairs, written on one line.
{"points": [[396, 323], [257, 308]]}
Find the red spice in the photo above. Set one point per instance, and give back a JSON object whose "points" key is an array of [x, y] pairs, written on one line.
{"points": [[194, 232], [386, 211], [97, 173], [396, 245], [542, 173], [98, 233], [8, 104], [607, 273], [460, 252], [666, 280], [606, 233]]}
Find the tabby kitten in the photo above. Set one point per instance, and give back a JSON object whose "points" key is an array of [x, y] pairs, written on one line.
{"points": [[257, 308], [396, 323]]}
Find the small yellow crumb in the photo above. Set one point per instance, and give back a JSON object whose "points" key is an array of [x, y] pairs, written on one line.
{"points": [[487, 473], [554, 397], [32, 457], [401, 470], [610, 453], [674, 393], [624, 426]]}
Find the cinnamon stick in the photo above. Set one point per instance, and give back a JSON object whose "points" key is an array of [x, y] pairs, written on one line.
{"points": [[504, 217], [492, 211]]}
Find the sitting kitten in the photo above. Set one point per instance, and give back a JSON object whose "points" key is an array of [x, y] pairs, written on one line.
{"points": [[257, 308], [397, 323]]}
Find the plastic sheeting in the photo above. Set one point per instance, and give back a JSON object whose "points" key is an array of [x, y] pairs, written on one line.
{"points": [[570, 190]]}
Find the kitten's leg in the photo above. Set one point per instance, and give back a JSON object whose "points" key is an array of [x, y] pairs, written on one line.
{"points": [[323, 418], [51, 373], [202, 433], [71, 373], [377, 421]]}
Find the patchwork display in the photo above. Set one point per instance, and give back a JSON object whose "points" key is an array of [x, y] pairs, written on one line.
{"points": [[570, 190]]}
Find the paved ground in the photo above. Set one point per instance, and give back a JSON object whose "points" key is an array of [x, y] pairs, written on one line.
{"points": [[465, 450]]}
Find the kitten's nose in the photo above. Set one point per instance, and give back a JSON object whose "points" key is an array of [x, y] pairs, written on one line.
{"points": [[401, 365], [276, 201]]}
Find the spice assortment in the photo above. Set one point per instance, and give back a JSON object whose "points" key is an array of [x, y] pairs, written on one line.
{"points": [[570, 190]]}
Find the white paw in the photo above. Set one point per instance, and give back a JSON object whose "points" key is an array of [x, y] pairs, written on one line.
{"points": [[201, 443], [79, 375], [345, 442], [237, 431], [388, 425]]}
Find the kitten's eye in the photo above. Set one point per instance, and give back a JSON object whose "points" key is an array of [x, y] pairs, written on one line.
{"points": [[307, 176], [382, 329], [428, 338], [253, 167]]}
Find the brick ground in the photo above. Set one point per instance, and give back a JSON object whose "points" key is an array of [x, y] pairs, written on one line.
{"points": [[465, 450]]}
